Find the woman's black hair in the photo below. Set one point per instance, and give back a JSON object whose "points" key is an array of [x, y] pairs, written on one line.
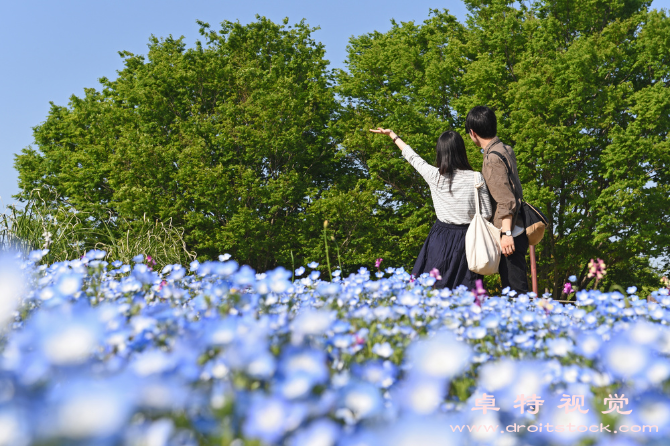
{"points": [[451, 155]]}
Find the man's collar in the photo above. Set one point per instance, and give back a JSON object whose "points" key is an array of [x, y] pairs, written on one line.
{"points": [[491, 143]]}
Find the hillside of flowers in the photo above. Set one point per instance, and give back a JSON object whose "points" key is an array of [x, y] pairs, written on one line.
{"points": [[103, 353]]}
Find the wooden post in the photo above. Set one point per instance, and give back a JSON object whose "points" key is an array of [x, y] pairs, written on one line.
{"points": [[533, 268]]}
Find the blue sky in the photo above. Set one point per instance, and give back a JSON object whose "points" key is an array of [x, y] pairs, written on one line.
{"points": [[53, 49]]}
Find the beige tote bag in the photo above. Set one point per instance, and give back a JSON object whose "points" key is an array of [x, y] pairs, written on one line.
{"points": [[482, 241]]}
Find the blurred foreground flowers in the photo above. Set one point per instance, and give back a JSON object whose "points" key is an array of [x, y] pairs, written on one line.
{"points": [[98, 353]]}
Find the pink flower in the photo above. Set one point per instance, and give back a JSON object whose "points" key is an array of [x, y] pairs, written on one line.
{"points": [[378, 262], [479, 292], [163, 283], [597, 269], [567, 288], [479, 288], [435, 273], [150, 261], [412, 279], [544, 303]]}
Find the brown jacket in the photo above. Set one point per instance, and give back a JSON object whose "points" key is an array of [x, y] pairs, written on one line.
{"points": [[502, 193]]}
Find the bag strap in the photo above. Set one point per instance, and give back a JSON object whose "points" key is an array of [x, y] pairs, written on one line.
{"points": [[477, 186], [509, 171], [511, 182]]}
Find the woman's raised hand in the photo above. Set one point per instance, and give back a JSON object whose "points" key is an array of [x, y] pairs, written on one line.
{"points": [[382, 131], [396, 139]]}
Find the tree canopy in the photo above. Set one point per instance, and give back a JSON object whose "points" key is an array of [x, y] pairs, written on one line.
{"points": [[249, 141], [227, 139]]}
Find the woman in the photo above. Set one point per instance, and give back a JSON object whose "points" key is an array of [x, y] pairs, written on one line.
{"points": [[452, 185]]}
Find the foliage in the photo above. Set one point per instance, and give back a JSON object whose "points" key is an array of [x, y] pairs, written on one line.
{"points": [[249, 142], [62, 233], [102, 353], [59, 230], [230, 139], [405, 79], [582, 96], [163, 242], [584, 99]]}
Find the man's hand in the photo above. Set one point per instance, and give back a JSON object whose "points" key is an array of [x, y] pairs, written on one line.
{"points": [[507, 244]]}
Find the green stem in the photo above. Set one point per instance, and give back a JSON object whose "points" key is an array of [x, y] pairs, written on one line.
{"points": [[325, 241], [292, 267]]}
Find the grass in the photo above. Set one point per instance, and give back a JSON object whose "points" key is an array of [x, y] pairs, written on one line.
{"points": [[68, 234]]}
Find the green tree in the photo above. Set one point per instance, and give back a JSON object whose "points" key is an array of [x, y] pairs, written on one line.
{"points": [[583, 97], [241, 140], [405, 79], [581, 94], [231, 139]]}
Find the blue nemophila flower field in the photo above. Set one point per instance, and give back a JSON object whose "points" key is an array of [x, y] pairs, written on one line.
{"points": [[216, 353]]}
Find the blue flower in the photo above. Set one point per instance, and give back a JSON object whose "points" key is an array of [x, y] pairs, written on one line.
{"points": [[580, 412], [313, 265], [245, 276], [267, 419], [300, 271], [559, 346], [87, 409], [442, 356], [194, 266], [96, 254], [384, 350], [381, 374], [475, 332], [68, 284], [588, 344], [419, 395], [507, 379], [363, 400], [310, 362], [650, 408], [623, 358], [320, 432]]}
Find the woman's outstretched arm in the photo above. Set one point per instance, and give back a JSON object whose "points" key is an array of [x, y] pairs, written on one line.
{"points": [[428, 172], [398, 142]]}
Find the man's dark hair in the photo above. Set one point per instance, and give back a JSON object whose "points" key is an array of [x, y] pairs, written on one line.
{"points": [[483, 121], [451, 155]]}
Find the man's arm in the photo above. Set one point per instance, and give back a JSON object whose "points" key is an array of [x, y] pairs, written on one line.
{"points": [[497, 180], [507, 241]]}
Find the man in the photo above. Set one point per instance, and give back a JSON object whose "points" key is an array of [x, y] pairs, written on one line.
{"points": [[481, 125]]}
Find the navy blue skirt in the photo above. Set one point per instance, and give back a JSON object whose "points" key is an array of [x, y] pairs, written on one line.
{"points": [[444, 249]]}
